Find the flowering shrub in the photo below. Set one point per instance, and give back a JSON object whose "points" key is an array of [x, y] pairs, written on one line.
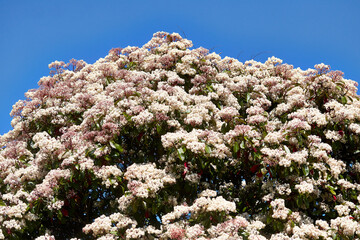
{"points": [[168, 142]]}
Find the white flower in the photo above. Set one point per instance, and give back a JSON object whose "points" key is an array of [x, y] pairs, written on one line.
{"points": [[305, 187]]}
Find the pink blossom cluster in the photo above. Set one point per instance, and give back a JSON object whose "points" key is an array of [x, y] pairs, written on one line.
{"points": [[167, 141]]}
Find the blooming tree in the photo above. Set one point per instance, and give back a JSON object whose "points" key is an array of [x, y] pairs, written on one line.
{"points": [[168, 142]]}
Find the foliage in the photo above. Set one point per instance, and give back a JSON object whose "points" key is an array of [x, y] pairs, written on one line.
{"points": [[169, 142]]}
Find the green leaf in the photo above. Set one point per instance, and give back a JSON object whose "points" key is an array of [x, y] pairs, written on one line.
{"points": [[268, 220], [2, 203], [332, 190], [71, 177], [292, 224], [242, 145], [287, 150], [247, 97], [305, 169], [210, 88], [343, 100], [307, 204], [22, 158], [115, 145], [181, 154], [357, 151], [127, 116], [299, 201], [213, 165], [206, 164], [328, 177], [207, 149], [89, 153], [316, 174], [97, 124], [158, 129], [300, 139], [236, 147], [340, 84], [224, 128], [60, 215]]}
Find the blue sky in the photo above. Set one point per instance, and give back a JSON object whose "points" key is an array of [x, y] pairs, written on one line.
{"points": [[302, 33]]}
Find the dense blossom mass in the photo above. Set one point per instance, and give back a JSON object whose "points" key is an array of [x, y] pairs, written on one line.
{"points": [[169, 142]]}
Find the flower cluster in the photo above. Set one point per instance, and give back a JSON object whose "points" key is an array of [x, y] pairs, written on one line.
{"points": [[167, 141]]}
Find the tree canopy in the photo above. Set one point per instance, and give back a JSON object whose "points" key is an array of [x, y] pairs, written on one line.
{"points": [[166, 141]]}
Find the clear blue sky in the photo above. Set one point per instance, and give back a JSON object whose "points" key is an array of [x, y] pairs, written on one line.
{"points": [[302, 33]]}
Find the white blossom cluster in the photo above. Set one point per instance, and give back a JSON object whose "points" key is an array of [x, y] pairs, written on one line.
{"points": [[145, 180]]}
